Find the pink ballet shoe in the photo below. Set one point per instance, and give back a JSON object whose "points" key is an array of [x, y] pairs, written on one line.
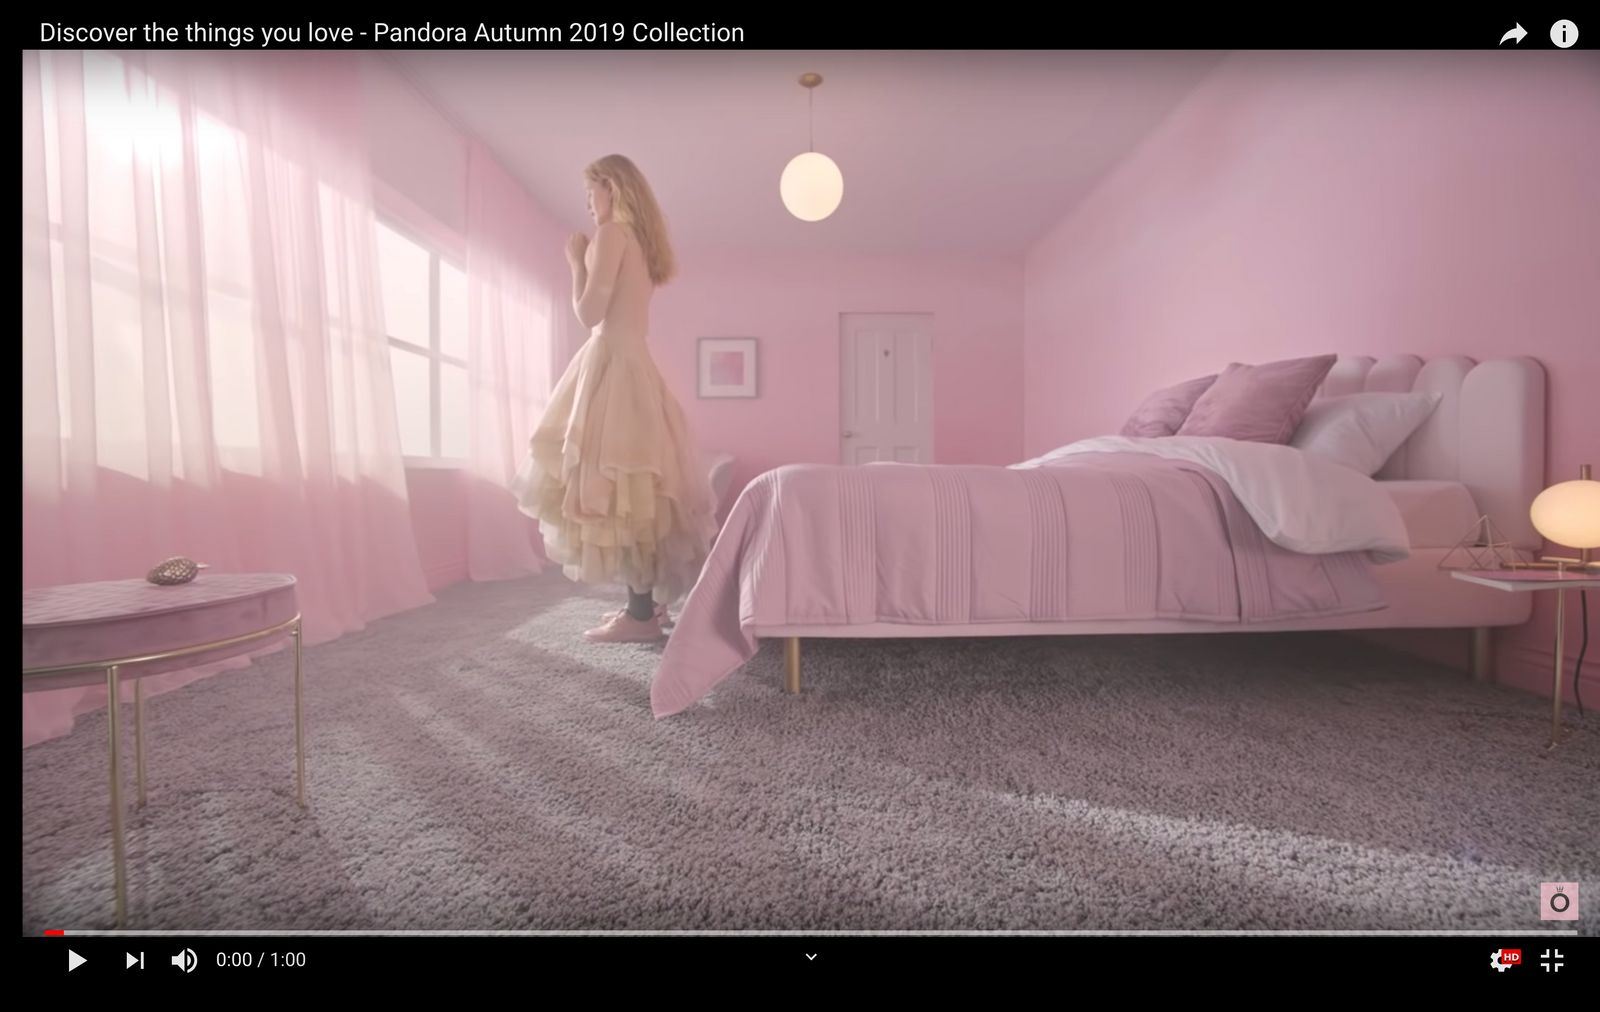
{"points": [[661, 615], [623, 628]]}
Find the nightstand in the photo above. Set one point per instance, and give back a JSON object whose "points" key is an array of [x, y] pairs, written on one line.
{"points": [[1529, 581]]}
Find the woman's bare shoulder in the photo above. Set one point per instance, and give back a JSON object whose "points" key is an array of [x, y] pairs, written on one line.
{"points": [[623, 235]]}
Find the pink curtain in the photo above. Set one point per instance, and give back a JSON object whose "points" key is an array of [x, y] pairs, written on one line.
{"points": [[517, 298], [205, 371]]}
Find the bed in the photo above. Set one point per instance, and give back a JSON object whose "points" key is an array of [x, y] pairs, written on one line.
{"points": [[1119, 535]]}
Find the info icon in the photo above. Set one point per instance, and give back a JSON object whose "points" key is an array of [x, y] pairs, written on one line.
{"points": [[1558, 901]]}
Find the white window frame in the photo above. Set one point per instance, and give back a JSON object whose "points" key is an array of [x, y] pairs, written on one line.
{"points": [[434, 353]]}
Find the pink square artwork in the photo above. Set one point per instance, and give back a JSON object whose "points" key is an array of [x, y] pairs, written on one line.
{"points": [[727, 368]]}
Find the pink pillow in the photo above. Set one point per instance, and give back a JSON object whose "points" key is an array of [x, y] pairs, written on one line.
{"points": [[1163, 412], [1258, 403]]}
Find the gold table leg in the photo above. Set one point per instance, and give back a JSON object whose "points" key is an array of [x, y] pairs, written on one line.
{"points": [[118, 855], [1561, 628], [113, 672], [138, 736], [299, 723]]}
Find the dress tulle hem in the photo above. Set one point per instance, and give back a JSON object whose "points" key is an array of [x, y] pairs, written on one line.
{"points": [[612, 477], [647, 538]]}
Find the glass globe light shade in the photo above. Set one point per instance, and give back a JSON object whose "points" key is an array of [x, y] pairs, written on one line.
{"points": [[812, 186], [1569, 513]]}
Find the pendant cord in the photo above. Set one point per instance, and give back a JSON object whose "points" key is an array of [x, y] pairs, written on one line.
{"points": [[811, 119]]}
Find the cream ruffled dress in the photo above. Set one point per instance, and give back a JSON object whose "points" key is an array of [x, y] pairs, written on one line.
{"points": [[612, 474]]}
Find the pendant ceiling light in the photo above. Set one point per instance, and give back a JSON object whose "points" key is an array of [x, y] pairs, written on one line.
{"points": [[812, 185]]}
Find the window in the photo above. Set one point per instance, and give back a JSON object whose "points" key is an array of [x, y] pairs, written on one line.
{"points": [[425, 312], [140, 287]]}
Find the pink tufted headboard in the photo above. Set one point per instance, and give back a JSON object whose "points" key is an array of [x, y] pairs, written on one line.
{"points": [[1488, 431]]}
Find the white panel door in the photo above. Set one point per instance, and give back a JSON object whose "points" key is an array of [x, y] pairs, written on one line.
{"points": [[887, 395]]}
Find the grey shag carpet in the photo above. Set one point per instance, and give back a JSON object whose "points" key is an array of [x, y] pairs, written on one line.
{"points": [[476, 765]]}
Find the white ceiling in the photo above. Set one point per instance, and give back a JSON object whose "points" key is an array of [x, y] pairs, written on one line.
{"points": [[942, 152]]}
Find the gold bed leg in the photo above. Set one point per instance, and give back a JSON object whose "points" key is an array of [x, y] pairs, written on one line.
{"points": [[791, 654], [1482, 654]]}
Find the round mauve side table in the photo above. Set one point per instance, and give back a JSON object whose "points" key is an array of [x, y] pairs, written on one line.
{"points": [[102, 633]]}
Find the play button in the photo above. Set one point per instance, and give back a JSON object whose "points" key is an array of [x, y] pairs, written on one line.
{"points": [[74, 961]]}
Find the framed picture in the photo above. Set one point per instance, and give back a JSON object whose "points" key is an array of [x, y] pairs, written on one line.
{"points": [[727, 367]]}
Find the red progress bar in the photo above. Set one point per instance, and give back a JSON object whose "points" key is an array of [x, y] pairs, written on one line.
{"points": [[49, 933]]}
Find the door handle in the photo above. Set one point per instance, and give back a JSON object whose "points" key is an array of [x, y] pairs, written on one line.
{"points": [[848, 434]]}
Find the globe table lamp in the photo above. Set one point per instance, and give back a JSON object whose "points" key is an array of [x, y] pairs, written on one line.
{"points": [[1568, 513]]}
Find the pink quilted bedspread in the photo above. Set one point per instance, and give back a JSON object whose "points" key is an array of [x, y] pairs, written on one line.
{"points": [[1093, 537]]}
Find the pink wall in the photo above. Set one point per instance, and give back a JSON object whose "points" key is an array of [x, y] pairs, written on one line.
{"points": [[1365, 203], [793, 303]]}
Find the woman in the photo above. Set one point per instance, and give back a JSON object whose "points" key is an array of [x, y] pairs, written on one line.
{"points": [[612, 475]]}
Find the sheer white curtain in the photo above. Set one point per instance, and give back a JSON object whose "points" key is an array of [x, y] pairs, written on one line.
{"points": [[518, 295], [205, 368]]}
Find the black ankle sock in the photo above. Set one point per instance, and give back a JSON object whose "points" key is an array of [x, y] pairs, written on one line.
{"points": [[641, 607]]}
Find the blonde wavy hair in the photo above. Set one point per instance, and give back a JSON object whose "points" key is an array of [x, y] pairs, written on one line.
{"points": [[634, 204]]}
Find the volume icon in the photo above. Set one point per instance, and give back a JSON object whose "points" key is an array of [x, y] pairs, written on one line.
{"points": [[185, 961]]}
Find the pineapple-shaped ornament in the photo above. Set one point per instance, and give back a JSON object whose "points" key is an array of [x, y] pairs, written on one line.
{"points": [[174, 571]]}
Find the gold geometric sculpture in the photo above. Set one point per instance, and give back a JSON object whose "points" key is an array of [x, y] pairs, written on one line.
{"points": [[1484, 547], [174, 571]]}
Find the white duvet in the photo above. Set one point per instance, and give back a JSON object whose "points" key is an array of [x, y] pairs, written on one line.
{"points": [[1301, 501]]}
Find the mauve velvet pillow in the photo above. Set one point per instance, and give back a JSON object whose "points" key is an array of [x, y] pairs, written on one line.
{"points": [[1163, 412], [1258, 403]]}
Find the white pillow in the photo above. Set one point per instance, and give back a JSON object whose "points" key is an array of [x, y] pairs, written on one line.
{"points": [[1362, 431]]}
